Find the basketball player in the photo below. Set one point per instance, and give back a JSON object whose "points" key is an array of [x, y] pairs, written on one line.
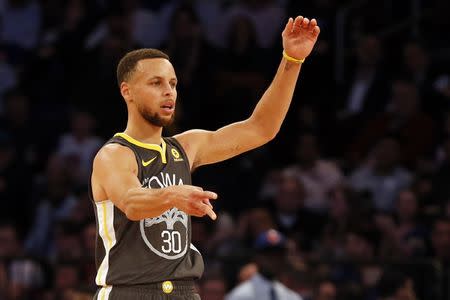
{"points": [[141, 182]]}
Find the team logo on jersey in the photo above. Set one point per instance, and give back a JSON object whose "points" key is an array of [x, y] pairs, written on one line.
{"points": [[167, 287], [176, 155], [167, 234]]}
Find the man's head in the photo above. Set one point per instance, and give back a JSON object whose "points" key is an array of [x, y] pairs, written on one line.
{"points": [[359, 245], [396, 285], [440, 238], [369, 51], [326, 290], [407, 205], [387, 153], [270, 253], [405, 97], [213, 287], [290, 194], [308, 151], [9, 240], [147, 82]]}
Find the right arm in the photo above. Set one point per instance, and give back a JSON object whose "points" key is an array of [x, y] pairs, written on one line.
{"points": [[114, 178]]}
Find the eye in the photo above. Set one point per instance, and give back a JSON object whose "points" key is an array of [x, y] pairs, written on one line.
{"points": [[156, 83], [173, 84]]}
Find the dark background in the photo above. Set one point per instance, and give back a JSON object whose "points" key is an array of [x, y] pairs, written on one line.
{"points": [[357, 179]]}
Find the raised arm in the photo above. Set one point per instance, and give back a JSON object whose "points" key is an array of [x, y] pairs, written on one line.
{"points": [[114, 178], [205, 147]]}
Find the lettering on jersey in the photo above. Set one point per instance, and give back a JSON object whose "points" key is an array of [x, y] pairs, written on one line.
{"points": [[167, 234], [161, 181]]}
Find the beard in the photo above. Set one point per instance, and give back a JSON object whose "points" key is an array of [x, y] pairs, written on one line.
{"points": [[154, 118]]}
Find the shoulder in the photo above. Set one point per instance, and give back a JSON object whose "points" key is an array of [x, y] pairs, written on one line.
{"points": [[243, 291], [113, 153], [174, 142], [286, 293], [192, 141], [189, 138]]}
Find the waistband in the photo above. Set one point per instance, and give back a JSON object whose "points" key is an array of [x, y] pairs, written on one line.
{"points": [[167, 286]]}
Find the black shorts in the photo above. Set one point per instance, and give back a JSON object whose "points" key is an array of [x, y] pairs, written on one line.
{"points": [[167, 290]]}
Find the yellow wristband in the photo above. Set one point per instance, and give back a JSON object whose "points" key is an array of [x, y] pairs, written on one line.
{"points": [[292, 59]]}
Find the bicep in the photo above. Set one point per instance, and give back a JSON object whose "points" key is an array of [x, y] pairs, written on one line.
{"points": [[207, 147], [114, 174]]}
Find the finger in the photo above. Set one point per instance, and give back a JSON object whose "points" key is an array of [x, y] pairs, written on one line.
{"points": [[289, 25], [297, 24], [305, 23], [197, 209], [312, 24], [203, 194], [316, 31], [206, 201], [209, 195], [208, 210]]}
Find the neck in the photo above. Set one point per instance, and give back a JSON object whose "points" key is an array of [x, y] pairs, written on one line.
{"points": [[143, 131]]}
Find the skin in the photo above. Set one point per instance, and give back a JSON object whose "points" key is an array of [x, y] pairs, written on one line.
{"points": [[152, 86]]}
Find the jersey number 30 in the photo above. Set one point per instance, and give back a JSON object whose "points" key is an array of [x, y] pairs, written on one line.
{"points": [[172, 241]]}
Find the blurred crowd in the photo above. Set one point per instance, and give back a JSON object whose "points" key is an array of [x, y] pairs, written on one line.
{"points": [[356, 184]]}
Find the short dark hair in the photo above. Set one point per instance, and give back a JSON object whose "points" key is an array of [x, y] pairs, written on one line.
{"points": [[127, 65]]}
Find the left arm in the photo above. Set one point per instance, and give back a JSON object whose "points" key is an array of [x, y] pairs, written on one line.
{"points": [[206, 147]]}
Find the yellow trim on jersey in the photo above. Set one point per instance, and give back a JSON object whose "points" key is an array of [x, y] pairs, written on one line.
{"points": [[108, 237], [104, 292], [161, 149], [105, 215]]}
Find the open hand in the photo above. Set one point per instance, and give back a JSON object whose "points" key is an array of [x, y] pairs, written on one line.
{"points": [[299, 37]]}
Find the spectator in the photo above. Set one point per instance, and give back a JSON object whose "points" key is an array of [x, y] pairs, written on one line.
{"points": [[253, 223], [9, 241], [66, 279], [292, 218], [190, 53], [394, 285], [270, 249], [240, 76], [14, 199], [440, 239], [319, 176], [382, 177], [213, 288], [403, 236], [417, 66], [403, 118], [18, 122], [79, 145], [367, 90], [55, 203], [326, 290], [27, 14], [263, 14], [364, 93]]}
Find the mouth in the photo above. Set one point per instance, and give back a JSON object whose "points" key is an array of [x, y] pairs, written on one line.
{"points": [[168, 106]]}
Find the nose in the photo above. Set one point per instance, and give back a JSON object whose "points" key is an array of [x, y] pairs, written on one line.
{"points": [[168, 90]]}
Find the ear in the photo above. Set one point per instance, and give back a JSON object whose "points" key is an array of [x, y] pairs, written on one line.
{"points": [[125, 91]]}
